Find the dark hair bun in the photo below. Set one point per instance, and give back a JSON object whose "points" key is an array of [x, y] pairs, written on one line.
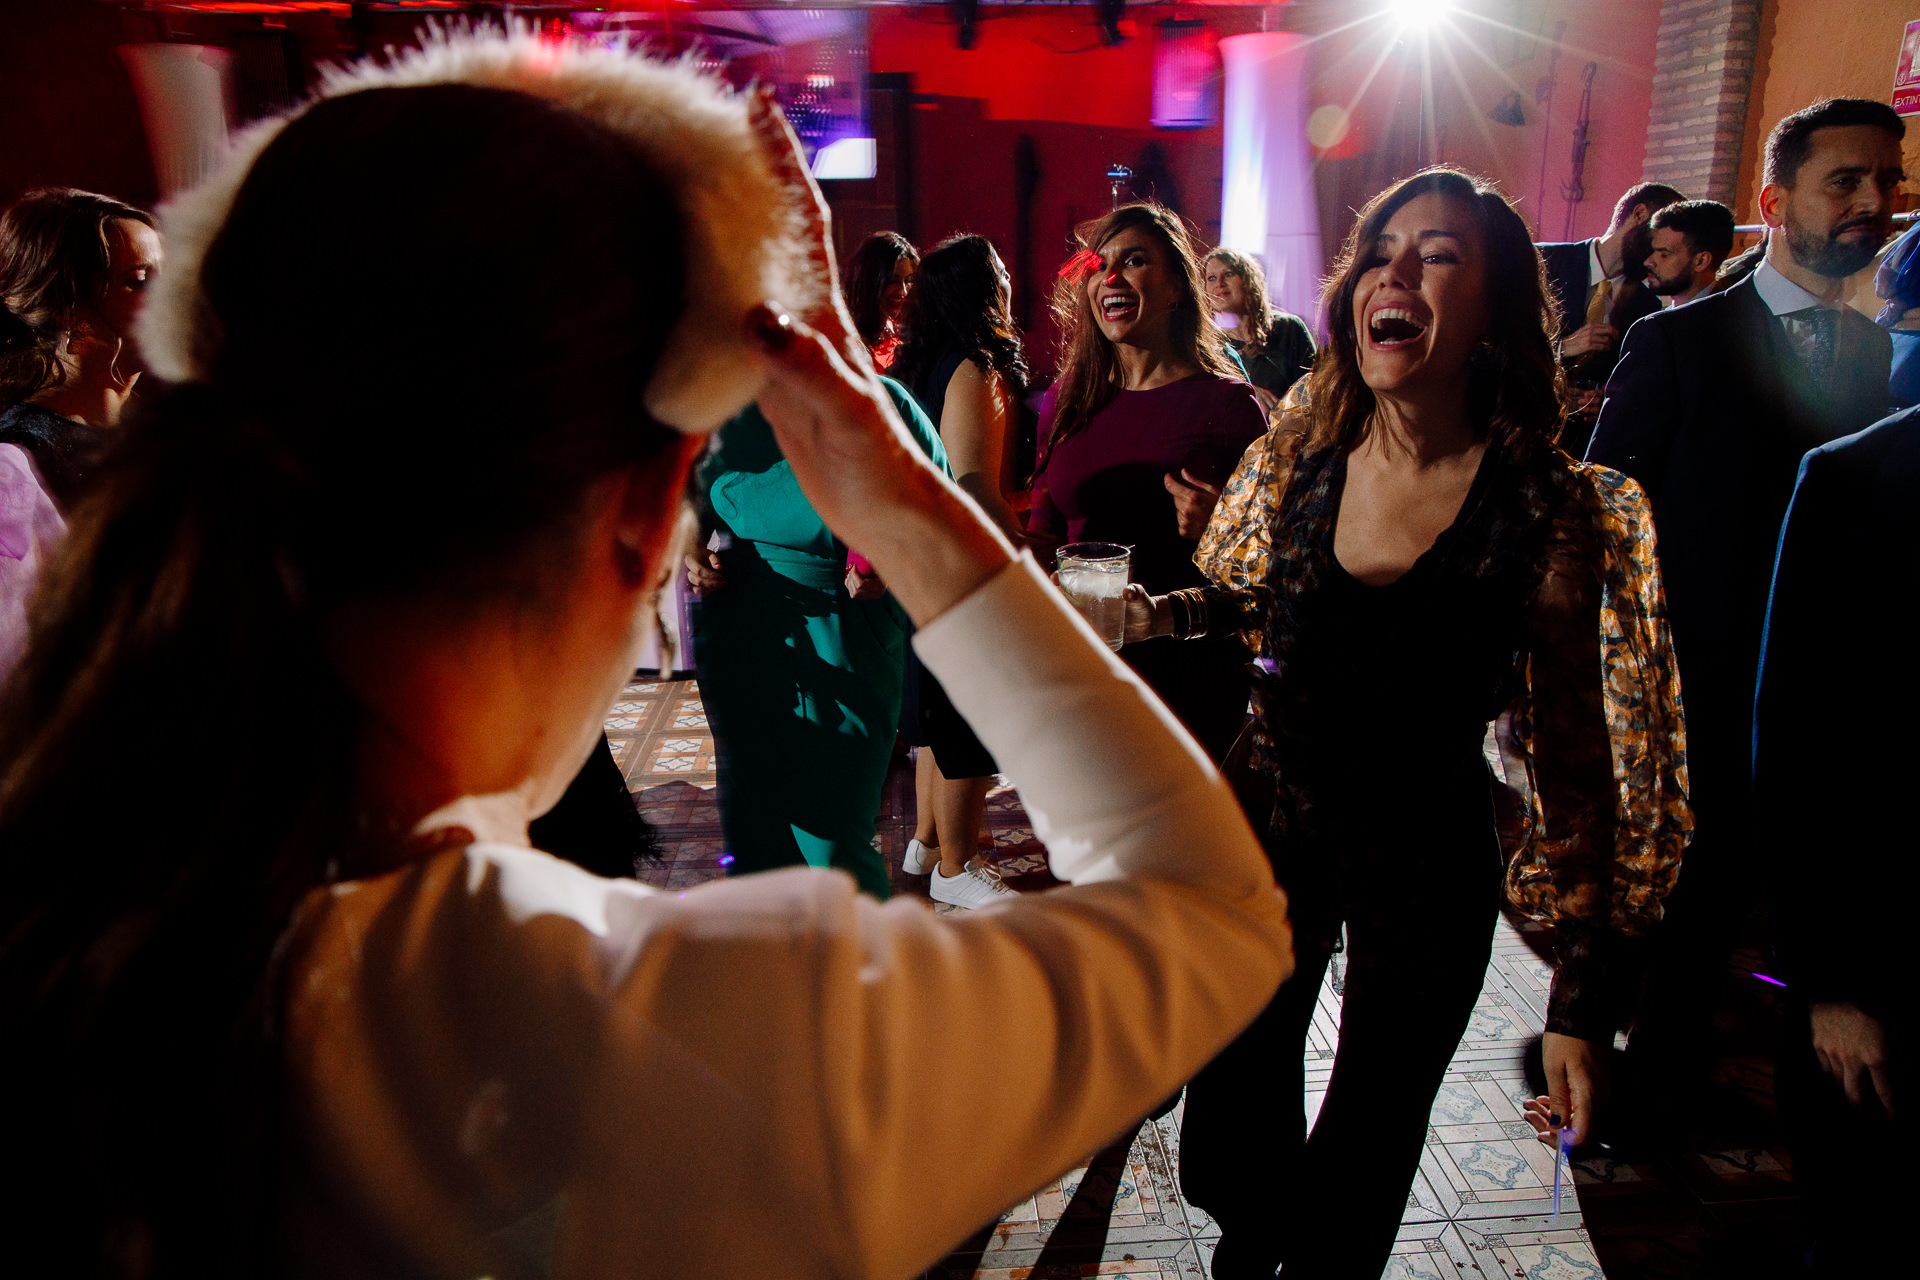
{"points": [[16, 335]]}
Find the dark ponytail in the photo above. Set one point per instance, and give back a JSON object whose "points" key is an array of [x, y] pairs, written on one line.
{"points": [[439, 310], [172, 788]]}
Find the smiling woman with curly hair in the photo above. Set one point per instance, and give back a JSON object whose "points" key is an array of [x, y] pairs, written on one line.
{"points": [[1414, 557], [1141, 429]]}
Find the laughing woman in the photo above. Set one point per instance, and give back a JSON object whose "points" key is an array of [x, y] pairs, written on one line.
{"points": [[1414, 557], [1144, 425]]}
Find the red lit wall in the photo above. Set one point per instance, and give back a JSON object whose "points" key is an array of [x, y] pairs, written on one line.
{"points": [[1025, 65], [67, 109], [1043, 75]]}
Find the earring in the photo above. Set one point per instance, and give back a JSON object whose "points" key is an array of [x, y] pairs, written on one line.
{"points": [[1485, 357]]}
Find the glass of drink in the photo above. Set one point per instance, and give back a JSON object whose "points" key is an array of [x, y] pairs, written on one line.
{"points": [[1094, 577]]}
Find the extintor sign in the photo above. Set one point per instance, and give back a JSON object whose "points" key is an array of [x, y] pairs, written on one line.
{"points": [[1906, 73]]}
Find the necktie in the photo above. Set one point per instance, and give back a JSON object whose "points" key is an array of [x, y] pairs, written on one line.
{"points": [[1820, 348], [1598, 302]]}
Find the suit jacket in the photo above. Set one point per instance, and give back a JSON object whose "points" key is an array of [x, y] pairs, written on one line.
{"points": [[1835, 752], [1711, 410], [1567, 266], [1567, 281]]}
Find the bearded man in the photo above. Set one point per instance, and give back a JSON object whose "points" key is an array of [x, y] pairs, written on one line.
{"points": [[1711, 408], [1600, 290], [1690, 241]]}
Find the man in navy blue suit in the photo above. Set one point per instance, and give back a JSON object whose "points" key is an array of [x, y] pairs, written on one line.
{"points": [[1600, 288], [1835, 757], [1711, 408]]}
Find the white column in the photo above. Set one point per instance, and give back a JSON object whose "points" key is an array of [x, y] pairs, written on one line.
{"points": [[183, 98], [1268, 205]]}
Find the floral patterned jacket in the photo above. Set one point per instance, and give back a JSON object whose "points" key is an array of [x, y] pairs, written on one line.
{"points": [[1592, 740]]}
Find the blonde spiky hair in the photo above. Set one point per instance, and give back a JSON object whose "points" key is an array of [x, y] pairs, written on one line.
{"points": [[742, 228]]}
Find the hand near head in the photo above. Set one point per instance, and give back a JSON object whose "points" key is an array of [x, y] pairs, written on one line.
{"points": [[838, 430], [1193, 502], [1852, 1045], [1576, 1088]]}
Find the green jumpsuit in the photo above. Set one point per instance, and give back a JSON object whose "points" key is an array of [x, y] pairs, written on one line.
{"points": [[801, 682]]}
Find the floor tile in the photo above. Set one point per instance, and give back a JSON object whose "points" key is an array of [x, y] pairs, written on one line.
{"points": [[1480, 1206]]}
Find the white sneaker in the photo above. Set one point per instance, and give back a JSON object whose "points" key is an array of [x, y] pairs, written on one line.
{"points": [[978, 886], [919, 859]]}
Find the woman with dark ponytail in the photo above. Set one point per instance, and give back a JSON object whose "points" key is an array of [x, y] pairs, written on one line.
{"points": [[962, 361], [346, 610]]}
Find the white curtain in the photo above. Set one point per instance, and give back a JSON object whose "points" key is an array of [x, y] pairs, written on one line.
{"points": [[1269, 208]]}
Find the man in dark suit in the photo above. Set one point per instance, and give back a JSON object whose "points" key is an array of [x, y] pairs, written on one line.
{"points": [[1600, 290], [1835, 756], [1710, 408]]}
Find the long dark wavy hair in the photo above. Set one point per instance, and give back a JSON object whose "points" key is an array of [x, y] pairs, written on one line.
{"points": [[415, 386], [1515, 389], [54, 259], [1089, 375], [1256, 326], [956, 302], [868, 273]]}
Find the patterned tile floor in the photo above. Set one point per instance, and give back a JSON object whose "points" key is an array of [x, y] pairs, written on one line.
{"points": [[1481, 1205]]}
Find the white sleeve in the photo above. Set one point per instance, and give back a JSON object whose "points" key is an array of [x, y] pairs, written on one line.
{"points": [[916, 1074], [777, 1075]]}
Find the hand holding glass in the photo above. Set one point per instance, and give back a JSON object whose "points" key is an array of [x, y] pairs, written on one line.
{"points": [[1094, 577]]}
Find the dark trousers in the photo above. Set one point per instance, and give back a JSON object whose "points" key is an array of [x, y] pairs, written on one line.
{"points": [[1203, 682], [1850, 1163], [1419, 906]]}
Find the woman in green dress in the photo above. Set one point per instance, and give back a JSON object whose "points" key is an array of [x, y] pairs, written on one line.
{"points": [[801, 681]]}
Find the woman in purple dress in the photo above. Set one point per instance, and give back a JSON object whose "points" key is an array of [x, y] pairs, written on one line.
{"points": [[1139, 435]]}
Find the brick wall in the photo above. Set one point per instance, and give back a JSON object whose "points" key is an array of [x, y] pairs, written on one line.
{"points": [[1702, 71]]}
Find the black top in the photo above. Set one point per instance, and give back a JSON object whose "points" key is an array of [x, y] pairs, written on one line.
{"points": [[1374, 701], [1286, 358], [62, 448], [931, 391], [1405, 676]]}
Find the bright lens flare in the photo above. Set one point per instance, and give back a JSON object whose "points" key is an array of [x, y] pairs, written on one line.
{"points": [[1327, 126], [1418, 14]]}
